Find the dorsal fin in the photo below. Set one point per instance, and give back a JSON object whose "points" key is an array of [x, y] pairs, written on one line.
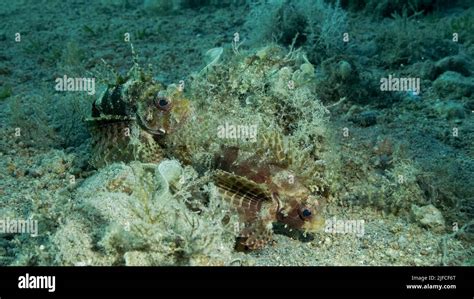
{"points": [[245, 195]]}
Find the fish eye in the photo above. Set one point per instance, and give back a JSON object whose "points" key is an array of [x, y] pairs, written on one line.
{"points": [[306, 213], [162, 103]]}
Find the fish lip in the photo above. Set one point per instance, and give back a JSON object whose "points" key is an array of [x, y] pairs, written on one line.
{"points": [[144, 126]]}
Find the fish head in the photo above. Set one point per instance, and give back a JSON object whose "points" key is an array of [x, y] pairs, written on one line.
{"points": [[309, 211], [162, 112], [299, 209]]}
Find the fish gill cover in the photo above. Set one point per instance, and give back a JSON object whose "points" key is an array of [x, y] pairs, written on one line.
{"points": [[179, 132]]}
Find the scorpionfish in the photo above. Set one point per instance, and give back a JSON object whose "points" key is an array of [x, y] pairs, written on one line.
{"points": [[264, 196]]}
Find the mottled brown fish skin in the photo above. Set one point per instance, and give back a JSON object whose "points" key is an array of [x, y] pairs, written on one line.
{"points": [[259, 205], [257, 209]]}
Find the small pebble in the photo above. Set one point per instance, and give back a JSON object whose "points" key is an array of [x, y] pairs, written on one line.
{"points": [[392, 253], [402, 242], [34, 172]]}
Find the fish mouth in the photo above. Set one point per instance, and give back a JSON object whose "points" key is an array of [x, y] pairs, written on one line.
{"points": [[315, 225], [144, 126]]}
